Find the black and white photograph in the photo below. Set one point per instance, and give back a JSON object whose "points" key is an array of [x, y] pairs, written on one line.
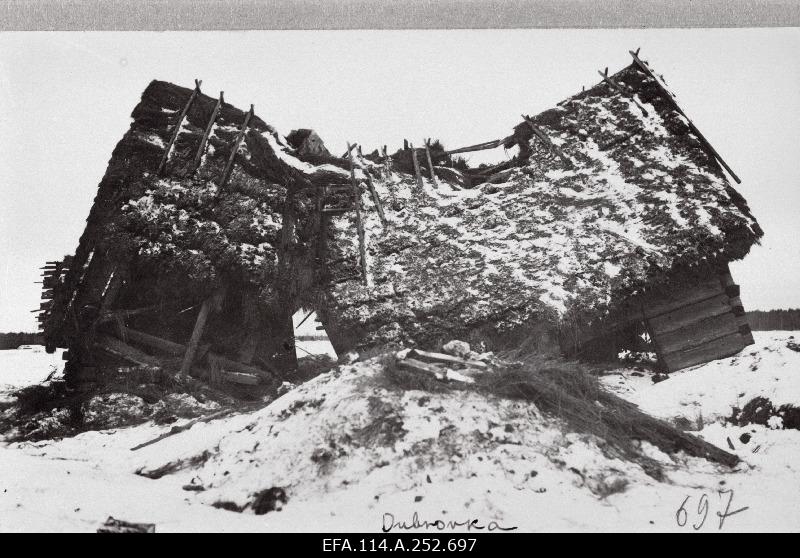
{"points": [[419, 271]]}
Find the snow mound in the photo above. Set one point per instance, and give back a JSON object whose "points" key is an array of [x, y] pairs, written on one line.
{"points": [[350, 431]]}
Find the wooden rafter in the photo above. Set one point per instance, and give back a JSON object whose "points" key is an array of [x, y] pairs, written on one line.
{"points": [[619, 89], [235, 148], [646, 69], [546, 140], [202, 148], [162, 165]]}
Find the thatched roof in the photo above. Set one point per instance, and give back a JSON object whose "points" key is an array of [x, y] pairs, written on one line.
{"points": [[640, 197]]}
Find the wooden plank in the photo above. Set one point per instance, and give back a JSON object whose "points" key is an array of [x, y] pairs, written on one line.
{"points": [[238, 142], [177, 127], [197, 334], [116, 347], [698, 333], [694, 129], [719, 348], [689, 315], [202, 148], [430, 162], [417, 172], [655, 303]]}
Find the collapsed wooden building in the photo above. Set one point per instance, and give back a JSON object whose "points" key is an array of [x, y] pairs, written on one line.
{"points": [[612, 227]]}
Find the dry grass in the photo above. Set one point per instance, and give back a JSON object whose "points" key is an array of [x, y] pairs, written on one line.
{"points": [[567, 391]]}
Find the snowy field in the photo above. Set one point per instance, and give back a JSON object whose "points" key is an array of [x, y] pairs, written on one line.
{"points": [[459, 456]]}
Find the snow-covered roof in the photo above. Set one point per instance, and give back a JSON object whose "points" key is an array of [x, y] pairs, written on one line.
{"points": [[639, 196]]}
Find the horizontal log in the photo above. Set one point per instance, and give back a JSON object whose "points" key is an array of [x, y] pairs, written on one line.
{"points": [[719, 348], [655, 304], [697, 333], [689, 315], [157, 343], [117, 348], [177, 349], [239, 378]]}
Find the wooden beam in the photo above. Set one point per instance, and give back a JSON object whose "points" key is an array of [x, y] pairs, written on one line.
{"points": [[646, 69], [157, 343], [688, 315], [202, 148], [618, 88], [239, 137], [656, 303], [197, 334], [480, 146], [698, 333], [716, 349], [117, 348], [546, 140], [177, 127], [376, 200], [362, 249], [430, 162], [414, 158]]}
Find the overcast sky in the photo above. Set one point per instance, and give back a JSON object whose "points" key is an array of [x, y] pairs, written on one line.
{"points": [[66, 99]]}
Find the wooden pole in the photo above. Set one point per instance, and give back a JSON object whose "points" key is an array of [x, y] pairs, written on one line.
{"points": [[430, 162], [376, 200], [200, 150], [235, 148], [177, 127], [362, 249], [197, 333], [414, 158], [618, 89], [542, 136], [646, 69]]}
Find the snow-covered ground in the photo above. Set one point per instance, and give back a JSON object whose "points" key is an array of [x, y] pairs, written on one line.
{"points": [[354, 453]]}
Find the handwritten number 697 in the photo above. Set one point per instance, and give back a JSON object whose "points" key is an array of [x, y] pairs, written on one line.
{"points": [[682, 516]]}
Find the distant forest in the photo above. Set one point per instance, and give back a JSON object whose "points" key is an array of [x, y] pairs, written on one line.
{"points": [[14, 340], [774, 319]]}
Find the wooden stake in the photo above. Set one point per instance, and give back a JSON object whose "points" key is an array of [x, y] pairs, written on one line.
{"points": [[646, 69], [200, 150], [235, 148], [416, 169], [430, 162], [177, 127]]}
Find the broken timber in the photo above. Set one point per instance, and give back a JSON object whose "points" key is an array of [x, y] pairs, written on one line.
{"points": [[546, 140], [417, 172], [646, 69], [235, 148], [178, 429], [362, 249], [430, 162], [177, 127], [202, 148], [618, 88], [480, 146]]}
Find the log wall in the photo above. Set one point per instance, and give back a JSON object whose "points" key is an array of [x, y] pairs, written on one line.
{"points": [[698, 324], [689, 325]]}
